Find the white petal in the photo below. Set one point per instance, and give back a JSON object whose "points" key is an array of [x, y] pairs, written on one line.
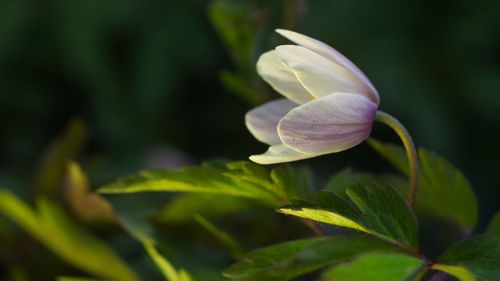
{"points": [[262, 121], [279, 153], [328, 124], [319, 75], [330, 53], [281, 78]]}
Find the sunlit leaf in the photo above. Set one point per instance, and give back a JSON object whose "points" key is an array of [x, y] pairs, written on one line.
{"points": [[375, 209], [240, 179], [444, 191], [375, 267], [87, 205], [65, 238], [461, 273], [472, 259], [223, 237], [494, 227], [291, 259]]}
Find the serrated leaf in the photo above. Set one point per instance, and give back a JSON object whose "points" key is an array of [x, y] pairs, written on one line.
{"points": [[478, 257], [494, 226], [444, 191], [236, 179], [375, 209], [65, 238], [287, 260], [296, 182], [375, 267]]}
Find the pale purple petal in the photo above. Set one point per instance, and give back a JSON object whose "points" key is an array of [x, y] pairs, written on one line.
{"points": [[262, 121], [328, 124], [281, 78], [330, 53], [319, 75], [279, 153]]}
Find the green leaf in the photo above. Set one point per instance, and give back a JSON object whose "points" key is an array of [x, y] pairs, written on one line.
{"points": [[475, 258], [494, 226], [297, 182], [345, 179], [69, 278], [375, 267], [444, 192], [88, 206], [183, 206], [461, 273], [52, 166], [291, 259], [167, 269], [233, 22], [223, 237], [240, 179], [375, 209], [65, 238], [392, 152]]}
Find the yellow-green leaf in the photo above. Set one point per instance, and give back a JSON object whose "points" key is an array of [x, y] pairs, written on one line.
{"points": [[461, 273], [375, 209], [376, 266], [64, 237]]}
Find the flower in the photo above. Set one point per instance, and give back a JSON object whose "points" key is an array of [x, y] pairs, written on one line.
{"points": [[330, 104]]}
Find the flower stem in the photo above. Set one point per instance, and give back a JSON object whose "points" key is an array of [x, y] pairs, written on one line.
{"points": [[411, 152]]}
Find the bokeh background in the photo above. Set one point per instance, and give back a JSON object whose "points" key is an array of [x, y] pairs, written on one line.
{"points": [[137, 84]]}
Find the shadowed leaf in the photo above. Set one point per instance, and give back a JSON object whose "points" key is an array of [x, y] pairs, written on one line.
{"points": [[438, 180], [472, 259], [291, 259]]}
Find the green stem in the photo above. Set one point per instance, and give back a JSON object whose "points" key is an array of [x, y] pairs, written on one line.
{"points": [[411, 152]]}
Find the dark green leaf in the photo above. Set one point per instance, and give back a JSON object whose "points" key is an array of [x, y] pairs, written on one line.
{"points": [[479, 256], [222, 236], [166, 268], [375, 209], [347, 178], [183, 206], [290, 259], [444, 191], [297, 182], [494, 227], [375, 267]]}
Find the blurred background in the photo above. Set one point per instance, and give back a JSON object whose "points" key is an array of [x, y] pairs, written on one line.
{"points": [[122, 85]]}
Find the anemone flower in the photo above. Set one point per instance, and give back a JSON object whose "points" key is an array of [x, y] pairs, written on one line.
{"points": [[329, 104]]}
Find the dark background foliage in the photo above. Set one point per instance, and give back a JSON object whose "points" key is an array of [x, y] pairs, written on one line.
{"points": [[144, 78]]}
